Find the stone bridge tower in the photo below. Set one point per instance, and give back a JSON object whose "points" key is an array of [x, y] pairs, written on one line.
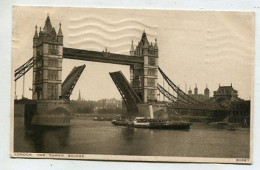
{"points": [[47, 69], [143, 77]]}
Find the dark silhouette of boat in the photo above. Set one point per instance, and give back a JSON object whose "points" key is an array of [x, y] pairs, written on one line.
{"points": [[142, 122], [102, 119]]}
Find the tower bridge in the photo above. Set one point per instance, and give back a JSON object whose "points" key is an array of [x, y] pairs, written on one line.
{"points": [[50, 96]]}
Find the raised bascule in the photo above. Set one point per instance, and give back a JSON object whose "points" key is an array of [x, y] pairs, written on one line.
{"points": [[50, 96]]}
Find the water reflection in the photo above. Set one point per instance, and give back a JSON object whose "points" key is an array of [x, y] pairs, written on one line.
{"points": [[127, 134], [40, 138]]}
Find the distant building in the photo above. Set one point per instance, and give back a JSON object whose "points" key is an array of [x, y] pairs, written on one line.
{"points": [[226, 92], [197, 96], [110, 103]]}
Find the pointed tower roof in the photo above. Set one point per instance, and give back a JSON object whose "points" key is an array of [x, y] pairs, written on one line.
{"points": [[132, 46], [36, 33], [79, 98], [155, 45], [196, 88], [206, 89], [151, 46], [47, 27], [144, 40], [60, 32]]}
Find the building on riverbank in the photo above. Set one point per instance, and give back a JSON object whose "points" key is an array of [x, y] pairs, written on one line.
{"points": [[197, 96]]}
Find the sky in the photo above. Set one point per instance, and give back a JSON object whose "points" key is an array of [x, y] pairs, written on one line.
{"points": [[195, 47]]}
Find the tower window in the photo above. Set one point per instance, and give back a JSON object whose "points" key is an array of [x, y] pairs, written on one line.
{"points": [[151, 72], [150, 82], [38, 75], [53, 49], [52, 91], [151, 61], [53, 63], [52, 74], [150, 94]]}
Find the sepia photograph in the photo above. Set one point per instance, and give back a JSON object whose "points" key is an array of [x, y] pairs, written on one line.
{"points": [[132, 84]]}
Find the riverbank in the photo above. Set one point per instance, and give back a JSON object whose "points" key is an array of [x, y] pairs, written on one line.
{"points": [[92, 115]]}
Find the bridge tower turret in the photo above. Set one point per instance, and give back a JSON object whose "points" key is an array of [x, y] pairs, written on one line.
{"points": [[47, 69], [132, 49], [35, 42], [144, 76], [190, 91], [156, 48], [132, 53], [60, 36], [196, 90]]}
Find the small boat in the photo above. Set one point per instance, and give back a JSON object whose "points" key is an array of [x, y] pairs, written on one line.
{"points": [[101, 119], [120, 122]]}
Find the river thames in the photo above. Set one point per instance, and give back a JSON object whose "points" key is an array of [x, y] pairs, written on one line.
{"points": [[86, 136]]}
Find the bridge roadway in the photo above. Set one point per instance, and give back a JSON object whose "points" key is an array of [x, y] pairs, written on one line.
{"points": [[104, 57]]}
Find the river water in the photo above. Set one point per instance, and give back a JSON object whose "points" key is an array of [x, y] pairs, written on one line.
{"points": [[86, 136]]}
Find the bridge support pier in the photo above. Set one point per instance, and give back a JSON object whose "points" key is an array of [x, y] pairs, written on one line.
{"points": [[51, 113]]}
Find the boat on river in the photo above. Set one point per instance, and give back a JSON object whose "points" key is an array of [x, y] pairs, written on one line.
{"points": [[102, 119], [142, 122], [120, 122]]}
